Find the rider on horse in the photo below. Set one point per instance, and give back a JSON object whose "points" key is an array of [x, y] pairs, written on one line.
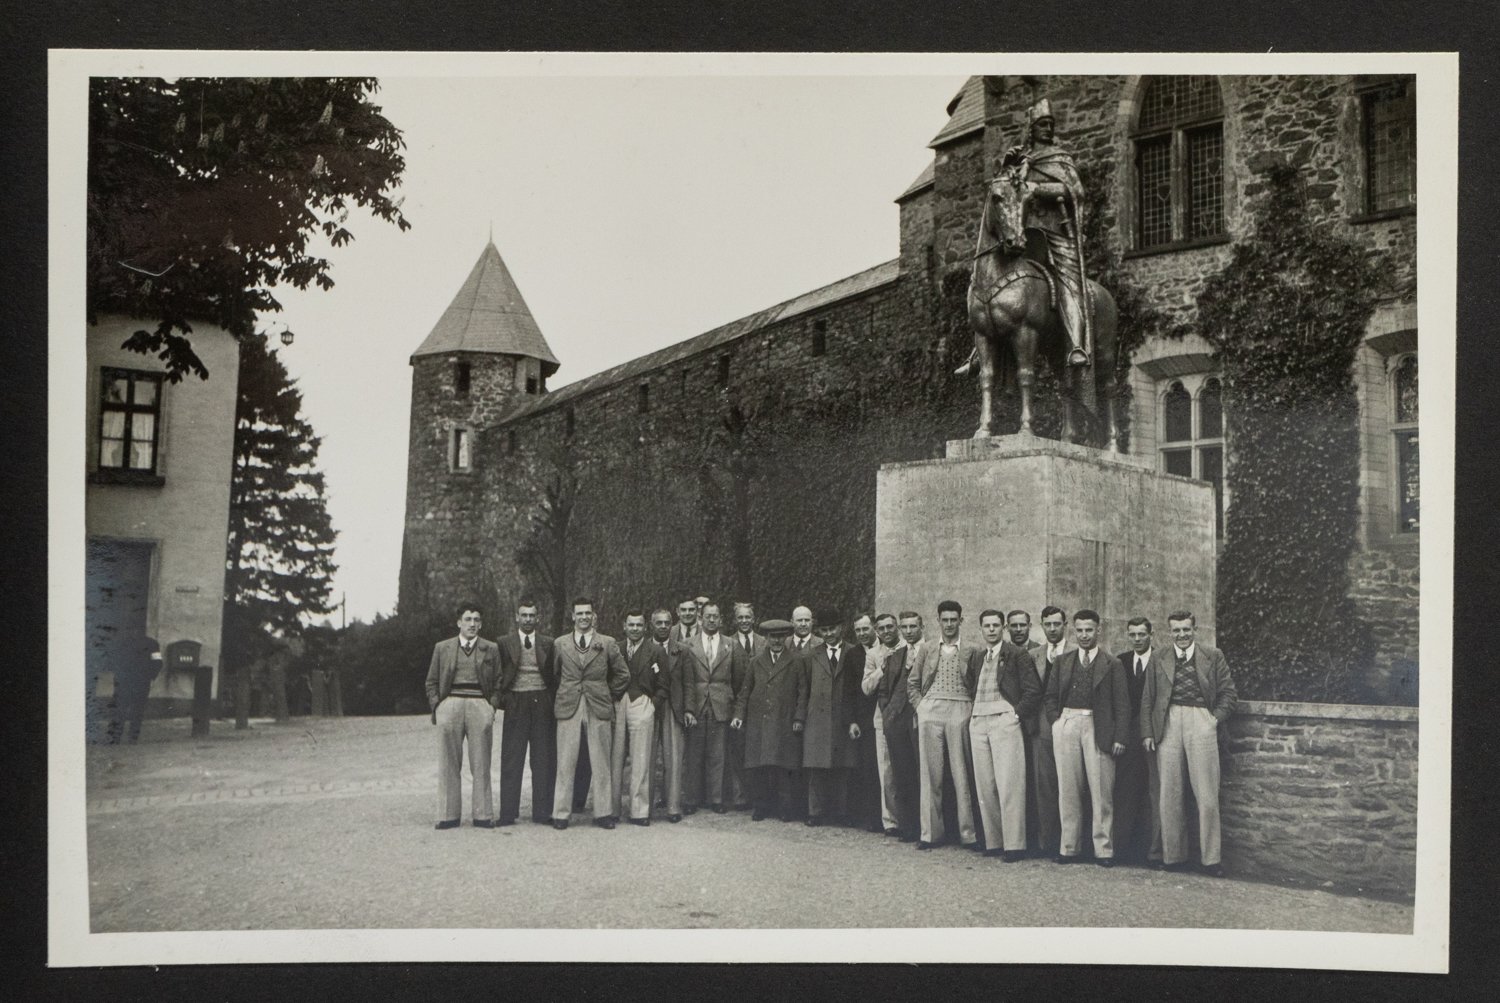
{"points": [[1053, 195]]}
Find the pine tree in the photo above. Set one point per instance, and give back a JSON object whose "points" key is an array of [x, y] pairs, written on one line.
{"points": [[280, 550]]}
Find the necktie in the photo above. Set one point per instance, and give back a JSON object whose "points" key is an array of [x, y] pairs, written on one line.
{"points": [[528, 642], [833, 659], [580, 642], [1140, 665], [745, 641], [468, 649]]}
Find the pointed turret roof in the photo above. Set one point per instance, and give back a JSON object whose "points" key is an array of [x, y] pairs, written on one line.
{"points": [[489, 315]]}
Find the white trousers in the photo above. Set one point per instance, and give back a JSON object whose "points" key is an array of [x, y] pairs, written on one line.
{"points": [[887, 778], [570, 735], [943, 728], [1190, 746], [459, 718], [1081, 765], [635, 727], [999, 748]]}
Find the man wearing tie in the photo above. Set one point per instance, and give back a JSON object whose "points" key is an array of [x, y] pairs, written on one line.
{"points": [[1185, 702], [708, 693], [462, 692], [887, 637], [941, 687], [769, 710], [830, 735], [1088, 704], [864, 782], [687, 621], [747, 644], [672, 738], [802, 621], [635, 723], [1137, 784], [1006, 693], [591, 677], [899, 723], [1042, 791], [528, 690]]}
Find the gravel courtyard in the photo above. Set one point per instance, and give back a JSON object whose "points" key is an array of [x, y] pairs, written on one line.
{"points": [[328, 823]]}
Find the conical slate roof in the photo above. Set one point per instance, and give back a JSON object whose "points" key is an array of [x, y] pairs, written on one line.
{"points": [[489, 315]]}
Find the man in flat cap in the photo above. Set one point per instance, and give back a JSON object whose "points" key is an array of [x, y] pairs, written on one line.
{"points": [[769, 711], [830, 737]]}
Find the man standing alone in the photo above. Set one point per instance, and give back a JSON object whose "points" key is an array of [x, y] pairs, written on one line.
{"points": [[1186, 700], [591, 676], [462, 692]]}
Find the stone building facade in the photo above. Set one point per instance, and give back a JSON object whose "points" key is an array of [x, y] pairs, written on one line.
{"points": [[741, 463]]}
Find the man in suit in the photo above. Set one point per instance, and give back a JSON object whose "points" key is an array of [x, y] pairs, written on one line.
{"points": [[1088, 707], [887, 637], [802, 630], [769, 711], [747, 643], [864, 781], [635, 722], [1006, 692], [672, 738], [591, 677], [687, 621], [1185, 702], [707, 686], [528, 689], [462, 690], [941, 687], [1042, 791], [899, 724], [1137, 784], [831, 733]]}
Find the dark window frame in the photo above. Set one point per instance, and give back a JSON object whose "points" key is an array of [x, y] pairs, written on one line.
{"points": [[462, 378], [1199, 451], [1405, 446], [1404, 89], [126, 474], [457, 436], [724, 370], [1177, 134], [531, 384], [570, 423], [820, 338], [643, 398]]}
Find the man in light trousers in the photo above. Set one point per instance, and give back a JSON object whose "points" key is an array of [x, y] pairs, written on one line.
{"points": [[1006, 692], [635, 723]]}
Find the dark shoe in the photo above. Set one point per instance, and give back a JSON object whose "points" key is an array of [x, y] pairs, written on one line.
{"points": [[559, 824], [1213, 870], [483, 823], [607, 822], [504, 821], [640, 821], [876, 827], [922, 844], [1063, 858], [674, 818], [907, 837], [451, 823], [994, 853], [813, 821], [1011, 856], [890, 832], [1105, 861], [541, 819], [757, 815], [719, 809], [1177, 868], [976, 846], [1154, 865], [690, 811]]}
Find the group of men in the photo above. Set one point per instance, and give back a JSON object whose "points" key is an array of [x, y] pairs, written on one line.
{"points": [[1064, 749]]}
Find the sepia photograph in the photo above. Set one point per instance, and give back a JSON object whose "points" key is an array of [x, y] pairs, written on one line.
{"points": [[757, 508]]}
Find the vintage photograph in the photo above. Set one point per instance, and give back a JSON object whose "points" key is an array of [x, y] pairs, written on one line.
{"points": [[769, 496]]}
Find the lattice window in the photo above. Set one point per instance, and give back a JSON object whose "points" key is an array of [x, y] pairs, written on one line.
{"points": [[1408, 454], [129, 413], [1179, 161], [1391, 147], [1193, 435]]}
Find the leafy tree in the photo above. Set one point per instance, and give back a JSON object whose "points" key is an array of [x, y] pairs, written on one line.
{"points": [[204, 194], [280, 550]]}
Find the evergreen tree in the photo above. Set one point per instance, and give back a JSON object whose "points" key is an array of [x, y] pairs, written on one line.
{"points": [[280, 550], [204, 193]]}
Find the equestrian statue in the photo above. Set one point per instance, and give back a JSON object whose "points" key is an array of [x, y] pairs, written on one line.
{"points": [[1041, 303]]}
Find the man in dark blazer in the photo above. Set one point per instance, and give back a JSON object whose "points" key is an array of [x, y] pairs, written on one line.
{"points": [[1186, 701], [707, 687], [830, 736], [687, 621], [635, 723], [899, 723], [747, 644], [1006, 692], [769, 710], [1137, 835], [1042, 791], [462, 692], [591, 677], [1088, 707], [671, 735], [528, 689]]}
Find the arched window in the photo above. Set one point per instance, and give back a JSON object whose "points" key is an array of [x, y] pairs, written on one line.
{"points": [[1179, 162], [1408, 456], [1193, 435]]}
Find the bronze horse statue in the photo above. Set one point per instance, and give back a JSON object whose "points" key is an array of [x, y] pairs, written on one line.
{"points": [[1012, 308]]}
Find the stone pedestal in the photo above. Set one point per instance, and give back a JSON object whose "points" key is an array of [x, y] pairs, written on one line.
{"points": [[1020, 522]]}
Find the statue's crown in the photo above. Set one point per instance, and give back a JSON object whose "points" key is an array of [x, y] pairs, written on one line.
{"points": [[1042, 109]]}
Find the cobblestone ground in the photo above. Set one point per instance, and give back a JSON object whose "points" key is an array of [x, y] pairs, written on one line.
{"points": [[328, 823]]}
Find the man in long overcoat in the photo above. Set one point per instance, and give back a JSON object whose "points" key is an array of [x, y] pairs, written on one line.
{"points": [[830, 736], [769, 711]]}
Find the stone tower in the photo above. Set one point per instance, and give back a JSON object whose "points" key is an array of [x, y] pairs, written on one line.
{"points": [[484, 355]]}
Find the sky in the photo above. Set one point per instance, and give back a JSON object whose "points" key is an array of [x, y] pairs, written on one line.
{"points": [[633, 213]]}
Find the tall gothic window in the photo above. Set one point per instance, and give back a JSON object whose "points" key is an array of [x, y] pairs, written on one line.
{"points": [[1179, 162], [1193, 435], [1390, 127], [1408, 457]]}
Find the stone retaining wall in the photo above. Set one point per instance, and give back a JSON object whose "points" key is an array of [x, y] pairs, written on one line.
{"points": [[1322, 793]]}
